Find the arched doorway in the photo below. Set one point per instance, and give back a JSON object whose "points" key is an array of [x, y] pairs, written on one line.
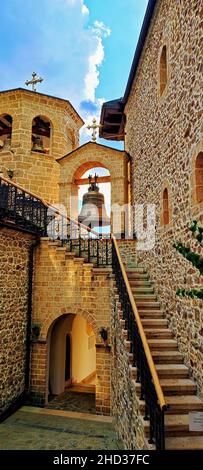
{"points": [[71, 361]]}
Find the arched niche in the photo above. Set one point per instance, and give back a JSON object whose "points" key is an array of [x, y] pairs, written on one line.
{"points": [[6, 122], [41, 135]]}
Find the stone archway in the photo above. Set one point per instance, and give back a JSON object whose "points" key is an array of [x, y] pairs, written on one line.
{"points": [[89, 156], [82, 354]]}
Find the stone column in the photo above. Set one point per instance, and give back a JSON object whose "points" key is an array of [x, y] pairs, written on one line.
{"points": [[103, 360]]}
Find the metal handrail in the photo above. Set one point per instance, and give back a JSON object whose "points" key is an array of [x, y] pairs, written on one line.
{"points": [[150, 361], [50, 206]]}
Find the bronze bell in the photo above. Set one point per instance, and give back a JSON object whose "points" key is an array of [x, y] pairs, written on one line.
{"points": [[93, 212], [37, 145], [7, 143]]}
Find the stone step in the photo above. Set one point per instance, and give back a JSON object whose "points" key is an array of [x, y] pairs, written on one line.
{"points": [[137, 276], [154, 323], [178, 404], [136, 270], [183, 404], [167, 371], [166, 344], [144, 304], [172, 370], [175, 425], [55, 243], [150, 314], [167, 357], [178, 386], [173, 387], [140, 282], [158, 333], [147, 298], [184, 443], [142, 290]]}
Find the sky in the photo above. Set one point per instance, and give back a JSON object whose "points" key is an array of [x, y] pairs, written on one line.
{"points": [[82, 48]]}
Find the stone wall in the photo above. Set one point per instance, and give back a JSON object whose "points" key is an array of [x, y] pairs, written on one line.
{"points": [[128, 251], [163, 137], [124, 400], [65, 285], [14, 256], [37, 172]]}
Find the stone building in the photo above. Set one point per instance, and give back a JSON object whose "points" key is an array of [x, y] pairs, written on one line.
{"points": [[160, 120], [97, 311]]}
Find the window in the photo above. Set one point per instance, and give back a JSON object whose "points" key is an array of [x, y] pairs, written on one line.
{"points": [[41, 135], [5, 131], [199, 177], [165, 217], [70, 140], [163, 70]]}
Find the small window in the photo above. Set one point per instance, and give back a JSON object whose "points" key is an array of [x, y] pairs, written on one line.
{"points": [[165, 207], [70, 140], [41, 135], [199, 177], [5, 131], [163, 70]]}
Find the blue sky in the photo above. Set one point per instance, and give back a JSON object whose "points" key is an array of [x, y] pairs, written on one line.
{"points": [[82, 48]]}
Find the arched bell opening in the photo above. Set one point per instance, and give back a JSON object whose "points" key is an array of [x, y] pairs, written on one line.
{"points": [[71, 356], [5, 131], [94, 198], [41, 135]]}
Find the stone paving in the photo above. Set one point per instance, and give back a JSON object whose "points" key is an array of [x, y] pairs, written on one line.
{"points": [[40, 429], [74, 401]]}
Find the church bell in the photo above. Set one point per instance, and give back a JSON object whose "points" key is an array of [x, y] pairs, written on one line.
{"points": [[37, 145], [93, 212]]}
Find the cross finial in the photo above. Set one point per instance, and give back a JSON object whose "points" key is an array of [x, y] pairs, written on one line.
{"points": [[94, 126], [34, 81]]}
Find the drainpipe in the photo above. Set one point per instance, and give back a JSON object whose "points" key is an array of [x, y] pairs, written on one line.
{"points": [[29, 314]]}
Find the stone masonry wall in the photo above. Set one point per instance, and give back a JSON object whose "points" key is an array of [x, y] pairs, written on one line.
{"points": [[66, 285], [125, 402], [163, 137], [128, 251], [14, 255]]}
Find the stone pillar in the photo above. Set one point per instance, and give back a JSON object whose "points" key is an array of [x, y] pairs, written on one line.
{"points": [[103, 360], [38, 378]]}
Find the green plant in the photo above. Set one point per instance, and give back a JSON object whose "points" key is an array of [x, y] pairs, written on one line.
{"points": [[195, 259], [197, 231]]}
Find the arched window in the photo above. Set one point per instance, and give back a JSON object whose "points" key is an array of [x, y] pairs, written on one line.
{"points": [[165, 207], [163, 70], [199, 177], [41, 135], [70, 140], [5, 131]]}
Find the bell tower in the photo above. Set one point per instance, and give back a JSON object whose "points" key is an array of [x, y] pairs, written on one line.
{"points": [[36, 130]]}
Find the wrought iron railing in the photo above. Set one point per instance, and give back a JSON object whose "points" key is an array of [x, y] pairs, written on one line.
{"points": [[151, 391], [22, 209], [82, 241]]}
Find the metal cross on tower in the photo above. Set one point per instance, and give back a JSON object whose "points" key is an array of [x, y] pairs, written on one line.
{"points": [[94, 126], [34, 81]]}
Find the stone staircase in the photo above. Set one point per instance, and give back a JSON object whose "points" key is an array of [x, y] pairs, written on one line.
{"points": [[178, 386]]}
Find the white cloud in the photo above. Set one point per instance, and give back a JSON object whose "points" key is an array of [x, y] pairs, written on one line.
{"points": [[92, 76], [61, 46], [101, 29], [95, 60], [85, 10]]}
